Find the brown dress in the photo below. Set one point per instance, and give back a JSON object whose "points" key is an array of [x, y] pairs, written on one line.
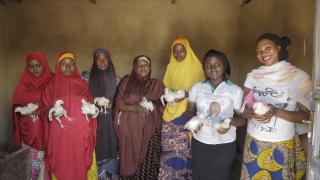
{"points": [[139, 133]]}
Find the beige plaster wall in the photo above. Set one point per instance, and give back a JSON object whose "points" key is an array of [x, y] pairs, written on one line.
{"points": [[292, 18], [4, 82], [131, 27]]}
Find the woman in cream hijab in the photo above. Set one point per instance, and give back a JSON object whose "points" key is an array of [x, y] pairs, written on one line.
{"points": [[183, 71], [272, 149]]}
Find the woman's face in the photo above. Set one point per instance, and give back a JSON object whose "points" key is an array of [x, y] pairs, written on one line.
{"points": [[67, 66], [214, 68], [142, 68], [35, 68], [102, 61], [267, 52], [179, 52]]}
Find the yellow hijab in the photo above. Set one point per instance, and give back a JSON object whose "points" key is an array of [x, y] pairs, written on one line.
{"points": [[181, 75]]}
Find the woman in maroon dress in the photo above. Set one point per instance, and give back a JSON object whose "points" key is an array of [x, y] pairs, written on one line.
{"points": [[137, 128]]}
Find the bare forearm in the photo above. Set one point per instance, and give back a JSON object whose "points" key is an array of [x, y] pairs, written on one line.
{"points": [[237, 121], [126, 107], [292, 116], [191, 110], [189, 114]]}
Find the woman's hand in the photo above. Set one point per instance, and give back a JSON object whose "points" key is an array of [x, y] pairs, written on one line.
{"points": [[198, 129], [222, 130], [132, 108], [139, 109], [110, 104], [266, 116], [181, 99], [246, 114], [249, 114]]}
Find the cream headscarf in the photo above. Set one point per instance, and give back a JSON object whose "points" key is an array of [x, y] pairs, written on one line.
{"points": [[297, 84], [283, 74], [181, 75]]}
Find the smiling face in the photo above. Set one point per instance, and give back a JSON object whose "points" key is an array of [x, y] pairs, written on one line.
{"points": [[214, 68], [67, 66], [267, 52], [102, 61], [179, 52], [142, 68], [35, 68]]}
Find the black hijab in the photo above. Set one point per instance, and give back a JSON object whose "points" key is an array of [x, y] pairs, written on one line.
{"points": [[102, 82]]}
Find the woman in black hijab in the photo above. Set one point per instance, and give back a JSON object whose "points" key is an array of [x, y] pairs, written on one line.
{"points": [[103, 83]]}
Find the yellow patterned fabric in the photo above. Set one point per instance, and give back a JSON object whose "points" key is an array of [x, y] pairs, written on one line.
{"points": [[93, 171], [273, 160], [181, 75]]}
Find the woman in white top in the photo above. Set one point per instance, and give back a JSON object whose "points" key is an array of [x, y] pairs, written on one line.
{"points": [[213, 100], [272, 149]]}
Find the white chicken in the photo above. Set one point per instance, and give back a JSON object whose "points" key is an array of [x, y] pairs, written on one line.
{"points": [[260, 108], [89, 109], [29, 109], [59, 111], [103, 103], [195, 123], [170, 96], [147, 104]]}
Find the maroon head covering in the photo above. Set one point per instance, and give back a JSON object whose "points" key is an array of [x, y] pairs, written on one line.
{"points": [[134, 130]]}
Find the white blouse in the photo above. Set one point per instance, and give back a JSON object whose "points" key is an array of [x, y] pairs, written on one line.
{"points": [[276, 129], [228, 95]]}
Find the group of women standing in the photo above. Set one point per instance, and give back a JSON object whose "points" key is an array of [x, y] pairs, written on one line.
{"points": [[129, 141]]}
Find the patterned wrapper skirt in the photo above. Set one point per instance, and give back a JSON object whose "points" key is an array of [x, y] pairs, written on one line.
{"points": [[38, 171], [273, 160], [175, 159]]}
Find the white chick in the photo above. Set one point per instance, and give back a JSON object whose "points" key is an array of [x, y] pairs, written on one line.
{"points": [[147, 104], [29, 109], [195, 124], [102, 102], [170, 96], [58, 111], [180, 94], [89, 109], [260, 108]]}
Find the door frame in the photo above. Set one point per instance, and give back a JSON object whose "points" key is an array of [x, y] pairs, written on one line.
{"points": [[313, 170]]}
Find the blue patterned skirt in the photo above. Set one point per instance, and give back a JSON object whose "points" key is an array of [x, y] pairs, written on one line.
{"points": [[175, 158]]}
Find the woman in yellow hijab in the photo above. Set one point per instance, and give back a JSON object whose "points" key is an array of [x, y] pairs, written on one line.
{"points": [[183, 71]]}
